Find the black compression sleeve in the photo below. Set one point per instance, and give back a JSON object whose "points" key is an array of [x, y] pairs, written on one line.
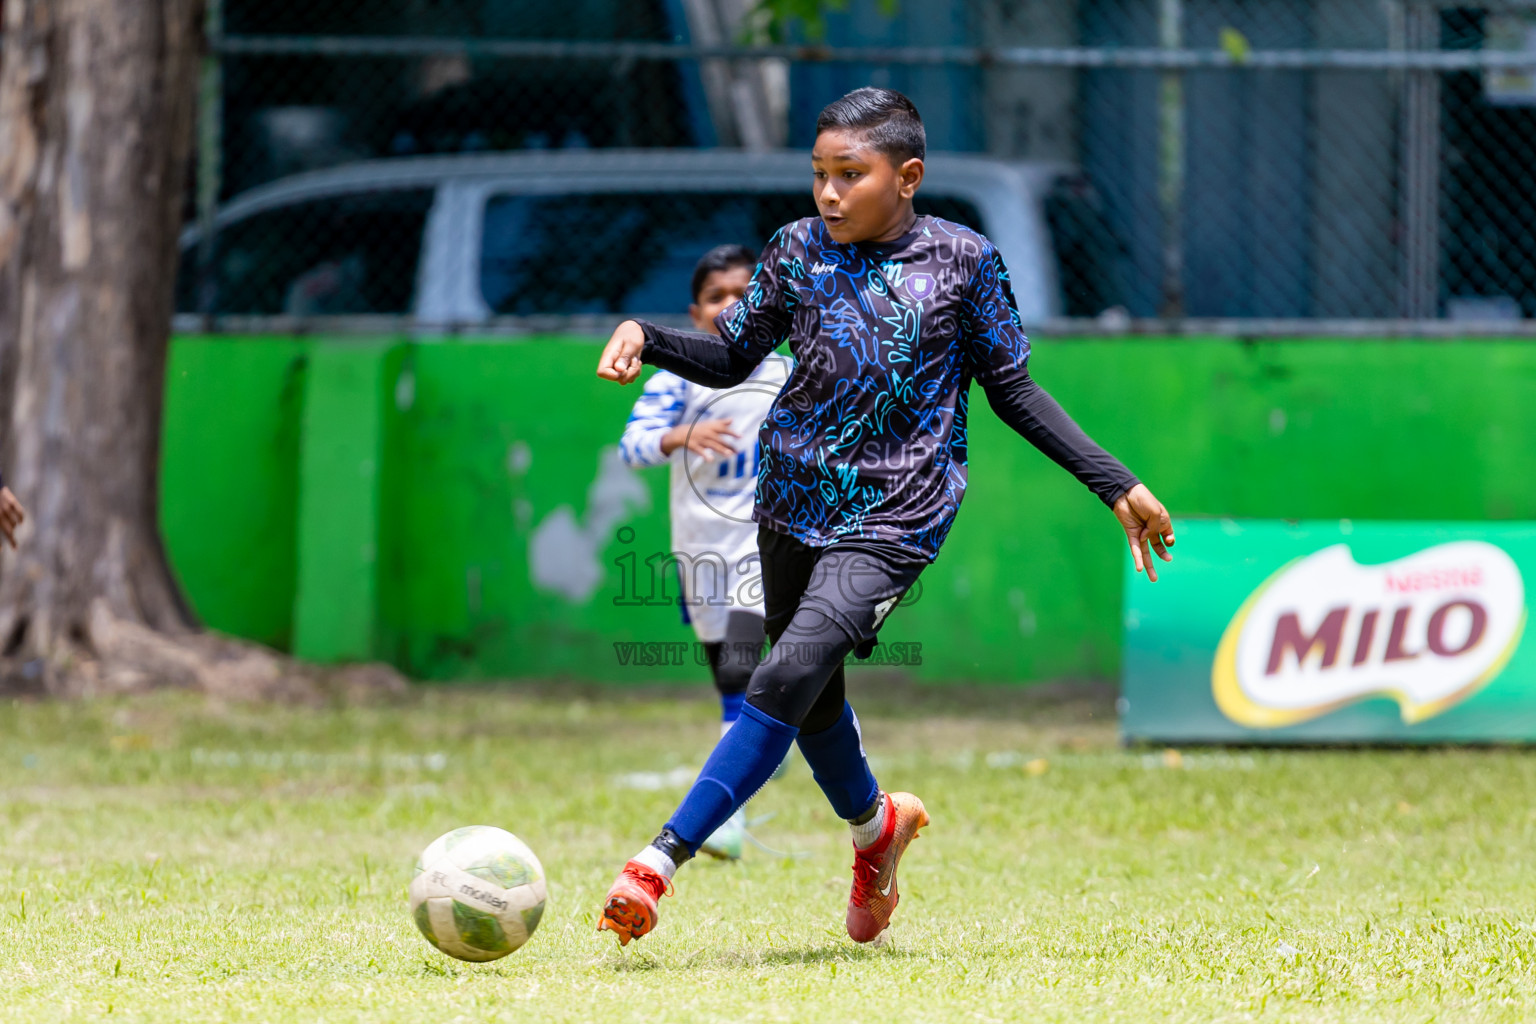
{"points": [[1028, 408], [702, 358]]}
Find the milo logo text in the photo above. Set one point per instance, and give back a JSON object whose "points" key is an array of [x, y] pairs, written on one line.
{"points": [[1426, 631]]}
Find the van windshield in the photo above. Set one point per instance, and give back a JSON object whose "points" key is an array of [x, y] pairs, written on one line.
{"points": [[622, 252], [341, 256]]}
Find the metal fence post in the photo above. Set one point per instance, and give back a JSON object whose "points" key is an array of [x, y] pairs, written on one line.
{"points": [[210, 144], [1170, 159], [1420, 196]]}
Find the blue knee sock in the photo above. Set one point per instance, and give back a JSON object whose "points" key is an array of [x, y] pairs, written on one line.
{"points": [[836, 757], [740, 764], [730, 706]]}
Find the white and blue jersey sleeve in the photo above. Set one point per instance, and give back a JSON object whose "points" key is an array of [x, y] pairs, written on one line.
{"points": [[658, 409], [714, 540]]}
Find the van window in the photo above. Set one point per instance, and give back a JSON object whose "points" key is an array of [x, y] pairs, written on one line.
{"points": [[629, 252], [342, 256], [1091, 257]]}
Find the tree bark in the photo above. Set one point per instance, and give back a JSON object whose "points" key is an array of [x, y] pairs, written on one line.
{"points": [[97, 102]]}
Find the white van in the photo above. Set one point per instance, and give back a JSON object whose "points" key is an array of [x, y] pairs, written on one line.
{"points": [[481, 241]]}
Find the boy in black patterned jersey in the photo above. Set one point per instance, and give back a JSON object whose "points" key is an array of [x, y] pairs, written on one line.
{"points": [[862, 468]]}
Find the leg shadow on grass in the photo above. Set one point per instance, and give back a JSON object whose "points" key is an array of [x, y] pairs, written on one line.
{"points": [[778, 956], [841, 954], [625, 962]]}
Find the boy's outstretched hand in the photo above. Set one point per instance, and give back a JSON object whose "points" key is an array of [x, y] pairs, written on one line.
{"points": [[1147, 527], [11, 515], [620, 360]]}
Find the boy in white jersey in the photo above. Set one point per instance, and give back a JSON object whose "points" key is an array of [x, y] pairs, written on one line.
{"points": [[710, 438]]}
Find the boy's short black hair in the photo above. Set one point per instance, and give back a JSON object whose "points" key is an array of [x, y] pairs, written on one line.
{"points": [[887, 119], [721, 257]]}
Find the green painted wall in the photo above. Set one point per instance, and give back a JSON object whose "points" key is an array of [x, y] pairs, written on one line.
{"points": [[336, 603], [229, 480], [490, 440], [494, 450]]}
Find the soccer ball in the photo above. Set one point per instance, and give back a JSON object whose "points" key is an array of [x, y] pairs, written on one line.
{"points": [[478, 893]]}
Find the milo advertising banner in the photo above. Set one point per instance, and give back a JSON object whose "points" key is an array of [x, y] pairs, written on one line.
{"points": [[1334, 631]]}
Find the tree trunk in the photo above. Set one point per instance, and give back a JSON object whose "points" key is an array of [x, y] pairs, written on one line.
{"points": [[97, 101]]}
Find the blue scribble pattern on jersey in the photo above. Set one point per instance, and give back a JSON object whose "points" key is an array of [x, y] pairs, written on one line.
{"points": [[868, 438]]}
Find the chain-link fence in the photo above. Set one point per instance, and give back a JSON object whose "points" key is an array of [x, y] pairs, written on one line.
{"points": [[1359, 165]]}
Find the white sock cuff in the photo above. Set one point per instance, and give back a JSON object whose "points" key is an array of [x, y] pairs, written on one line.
{"points": [[657, 861], [867, 834]]}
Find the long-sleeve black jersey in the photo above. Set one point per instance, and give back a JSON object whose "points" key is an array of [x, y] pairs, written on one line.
{"points": [[868, 437]]}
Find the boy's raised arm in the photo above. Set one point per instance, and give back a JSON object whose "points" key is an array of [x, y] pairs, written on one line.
{"points": [[1029, 409], [749, 330], [692, 355]]}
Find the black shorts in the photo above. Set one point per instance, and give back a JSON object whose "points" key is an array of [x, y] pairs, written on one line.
{"points": [[854, 583]]}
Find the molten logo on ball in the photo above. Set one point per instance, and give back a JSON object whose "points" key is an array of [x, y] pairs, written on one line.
{"points": [[478, 893], [1427, 630]]}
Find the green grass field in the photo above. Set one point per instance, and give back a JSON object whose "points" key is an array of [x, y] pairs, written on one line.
{"points": [[167, 859]]}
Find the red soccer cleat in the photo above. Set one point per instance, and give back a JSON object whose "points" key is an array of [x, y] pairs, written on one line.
{"points": [[630, 910], [874, 893]]}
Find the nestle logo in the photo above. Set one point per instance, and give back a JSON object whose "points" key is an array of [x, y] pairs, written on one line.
{"points": [[822, 268]]}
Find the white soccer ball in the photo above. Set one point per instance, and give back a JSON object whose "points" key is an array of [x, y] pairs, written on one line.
{"points": [[478, 893]]}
